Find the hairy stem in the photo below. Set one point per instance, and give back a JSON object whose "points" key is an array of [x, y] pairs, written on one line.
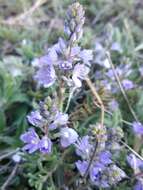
{"points": [[95, 93]]}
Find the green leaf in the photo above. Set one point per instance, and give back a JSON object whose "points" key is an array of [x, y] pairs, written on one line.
{"points": [[7, 140], [139, 104], [117, 118], [2, 120], [21, 98], [139, 47]]}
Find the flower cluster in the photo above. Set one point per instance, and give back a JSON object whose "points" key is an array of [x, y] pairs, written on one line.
{"points": [[65, 59], [47, 120], [137, 165], [66, 62], [33, 142], [103, 172], [49, 115], [137, 128], [124, 71]]}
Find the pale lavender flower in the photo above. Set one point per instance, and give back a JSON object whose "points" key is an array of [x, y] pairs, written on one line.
{"points": [[45, 76], [75, 51], [113, 105], [52, 126], [35, 118], [105, 157], [103, 175], [102, 172], [68, 136], [66, 53], [139, 185], [67, 64], [116, 47], [31, 139], [60, 47], [98, 75], [123, 71], [101, 58], [48, 59], [96, 178], [138, 128], [103, 62], [95, 174], [116, 174], [128, 84], [86, 55], [111, 75], [106, 84], [66, 57], [45, 145], [67, 30], [98, 47], [44, 60], [44, 111], [16, 158], [79, 73], [83, 147], [52, 56], [61, 119], [134, 162], [141, 71], [74, 22], [82, 166], [98, 168]]}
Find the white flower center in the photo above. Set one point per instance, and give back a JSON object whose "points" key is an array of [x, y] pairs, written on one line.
{"points": [[86, 150], [66, 134], [34, 141]]}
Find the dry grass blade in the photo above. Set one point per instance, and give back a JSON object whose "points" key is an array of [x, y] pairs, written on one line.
{"points": [[4, 186], [121, 87], [18, 20], [94, 92]]}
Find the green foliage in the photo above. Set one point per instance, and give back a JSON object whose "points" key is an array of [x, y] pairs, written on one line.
{"points": [[139, 104]]}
